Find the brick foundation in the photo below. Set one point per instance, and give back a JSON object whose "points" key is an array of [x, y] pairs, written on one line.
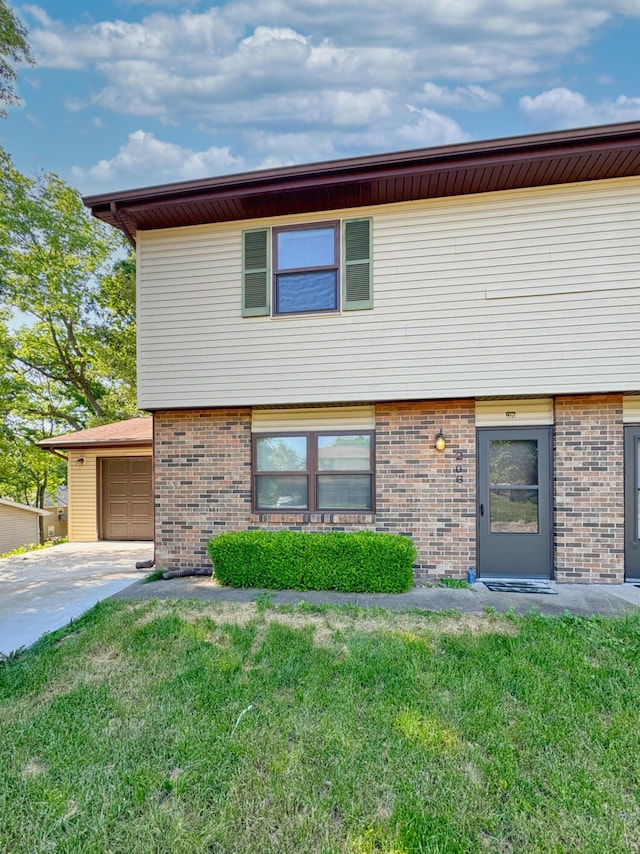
{"points": [[202, 462]]}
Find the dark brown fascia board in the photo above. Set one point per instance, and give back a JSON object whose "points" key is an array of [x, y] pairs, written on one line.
{"points": [[489, 153], [306, 182]]}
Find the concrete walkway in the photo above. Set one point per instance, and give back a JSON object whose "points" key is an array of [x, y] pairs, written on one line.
{"points": [[43, 590], [582, 599]]}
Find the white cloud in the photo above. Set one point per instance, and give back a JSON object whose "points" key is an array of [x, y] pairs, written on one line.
{"points": [[74, 105], [38, 14], [272, 149], [462, 97], [285, 81], [338, 109], [185, 40], [191, 64], [414, 128], [563, 107], [426, 128], [143, 155], [167, 4]]}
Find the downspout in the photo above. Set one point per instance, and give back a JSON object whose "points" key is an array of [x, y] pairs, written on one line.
{"points": [[115, 213]]}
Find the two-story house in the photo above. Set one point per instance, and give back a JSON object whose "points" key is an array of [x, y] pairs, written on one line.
{"points": [[443, 343]]}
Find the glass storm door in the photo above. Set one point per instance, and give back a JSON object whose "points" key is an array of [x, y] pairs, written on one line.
{"points": [[632, 503], [514, 502]]}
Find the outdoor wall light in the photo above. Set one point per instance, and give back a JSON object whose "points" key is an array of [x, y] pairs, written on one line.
{"points": [[441, 442], [79, 461]]}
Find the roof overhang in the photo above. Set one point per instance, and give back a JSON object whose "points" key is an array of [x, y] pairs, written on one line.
{"points": [[86, 444], [562, 157], [14, 505]]}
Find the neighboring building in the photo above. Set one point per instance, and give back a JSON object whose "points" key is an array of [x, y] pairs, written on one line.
{"points": [[110, 490], [19, 525], [306, 333], [57, 507]]}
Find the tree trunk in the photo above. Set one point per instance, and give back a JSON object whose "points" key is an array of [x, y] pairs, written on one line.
{"points": [[40, 504]]}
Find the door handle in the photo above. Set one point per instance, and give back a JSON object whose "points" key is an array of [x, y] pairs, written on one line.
{"points": [[482, 509]]}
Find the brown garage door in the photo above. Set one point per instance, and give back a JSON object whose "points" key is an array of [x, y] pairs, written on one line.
{"points": [[127, 498]]}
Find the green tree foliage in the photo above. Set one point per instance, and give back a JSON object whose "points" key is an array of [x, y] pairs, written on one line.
{"points": [[73, 360], [14, 49], [116, 330], [67, 326]]}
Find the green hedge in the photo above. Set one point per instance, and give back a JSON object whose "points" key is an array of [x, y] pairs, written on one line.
{"points": [[354, 561]]}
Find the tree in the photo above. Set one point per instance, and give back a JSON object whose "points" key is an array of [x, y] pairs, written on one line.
{"points": [[26, 472], [73, 362], [67, 331], [14, 49]]}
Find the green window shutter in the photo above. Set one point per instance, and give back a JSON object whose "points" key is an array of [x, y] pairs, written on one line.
{"points": [[255, 272], [357, 279]]}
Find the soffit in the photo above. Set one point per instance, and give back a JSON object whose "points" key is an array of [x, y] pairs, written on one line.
{"points": [[563, 157]]}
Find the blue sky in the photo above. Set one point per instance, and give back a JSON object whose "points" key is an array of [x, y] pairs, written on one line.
{"points": [[128, 93]]}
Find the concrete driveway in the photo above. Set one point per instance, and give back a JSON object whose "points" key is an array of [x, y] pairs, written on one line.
{"points": [[43, 590]]}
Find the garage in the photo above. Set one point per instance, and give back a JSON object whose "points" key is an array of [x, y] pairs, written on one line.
{"points": [[127, 498], [110, 480]]}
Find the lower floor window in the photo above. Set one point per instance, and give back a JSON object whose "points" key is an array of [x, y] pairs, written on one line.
{"points": [[313, 471]]}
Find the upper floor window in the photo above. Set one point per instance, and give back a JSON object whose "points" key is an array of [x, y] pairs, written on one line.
{"points": [[311, 267], [305, 269]]}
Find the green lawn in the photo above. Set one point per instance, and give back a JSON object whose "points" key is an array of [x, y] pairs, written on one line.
{"points": [[186, 727]]}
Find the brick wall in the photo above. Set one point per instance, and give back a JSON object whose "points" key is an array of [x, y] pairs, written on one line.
{"points": [[203, 485], [420, 491], [589, 488], [202, 472]]}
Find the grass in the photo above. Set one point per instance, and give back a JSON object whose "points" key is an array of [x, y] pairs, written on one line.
{"points": [[454, 583], [202, 727]]}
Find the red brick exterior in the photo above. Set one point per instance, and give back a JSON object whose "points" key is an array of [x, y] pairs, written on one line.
{"points": [[203, 485], [202, 474], [589, 488], [420, 491]]}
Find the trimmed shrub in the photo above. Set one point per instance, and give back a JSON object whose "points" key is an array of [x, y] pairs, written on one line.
{"points": [[350, 561]]}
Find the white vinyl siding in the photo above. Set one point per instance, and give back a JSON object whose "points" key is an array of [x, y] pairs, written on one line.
{"points": [[522, 292]]}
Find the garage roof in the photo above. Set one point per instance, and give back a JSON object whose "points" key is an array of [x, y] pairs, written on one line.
{"points": [[6, 502], [134, 431], [587, 154]]}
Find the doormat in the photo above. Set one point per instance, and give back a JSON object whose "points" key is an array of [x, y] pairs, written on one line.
{"points": [[520, 587]]}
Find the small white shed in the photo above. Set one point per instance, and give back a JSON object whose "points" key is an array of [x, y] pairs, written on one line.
{"points": [[18, 525]]}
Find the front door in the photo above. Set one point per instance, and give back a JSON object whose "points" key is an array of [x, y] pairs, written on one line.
{"points": [[514, 502], [632, 503]]}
